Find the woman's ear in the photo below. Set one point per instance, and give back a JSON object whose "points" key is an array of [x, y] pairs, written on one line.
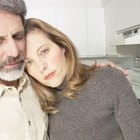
{"points": [[63, 50]]}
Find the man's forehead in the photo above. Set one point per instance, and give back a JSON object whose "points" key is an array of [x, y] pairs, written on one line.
{"points": [[10, 23]]}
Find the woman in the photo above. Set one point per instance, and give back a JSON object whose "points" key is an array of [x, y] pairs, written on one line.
{"points": [[94, 104]]}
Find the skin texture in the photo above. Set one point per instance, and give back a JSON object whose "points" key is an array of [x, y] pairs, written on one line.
{"points": [[45, 60], [12, 45]]}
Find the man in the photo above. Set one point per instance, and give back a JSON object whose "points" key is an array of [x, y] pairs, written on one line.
{"points": [[21, 117]]}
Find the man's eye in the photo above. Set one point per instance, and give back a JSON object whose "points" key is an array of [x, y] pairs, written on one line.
{"points": [[43, 52], [18, 36]]}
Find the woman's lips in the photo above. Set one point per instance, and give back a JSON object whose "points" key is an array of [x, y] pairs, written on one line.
{"points": [[49, 76]]}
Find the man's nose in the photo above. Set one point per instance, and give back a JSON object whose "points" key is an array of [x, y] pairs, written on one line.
{"points": [[12, 48]]}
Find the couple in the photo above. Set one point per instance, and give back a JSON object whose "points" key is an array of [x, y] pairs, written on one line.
{"points": [[83, 102]]}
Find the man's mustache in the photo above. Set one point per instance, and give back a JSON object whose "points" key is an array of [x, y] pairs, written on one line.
{"points": [[10, 60]]}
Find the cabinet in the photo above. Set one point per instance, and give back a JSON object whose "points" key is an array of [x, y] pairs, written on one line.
{"points": [[84, 26], [72, 21], [96, 32]]}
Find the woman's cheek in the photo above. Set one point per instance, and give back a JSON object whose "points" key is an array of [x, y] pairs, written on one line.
{"points": [[58, 58]]}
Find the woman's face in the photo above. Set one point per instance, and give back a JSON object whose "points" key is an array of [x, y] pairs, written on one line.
{"points": [[45, 60]]}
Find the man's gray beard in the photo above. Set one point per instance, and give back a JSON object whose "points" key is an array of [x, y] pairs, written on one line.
{"points": [[12, 75]]}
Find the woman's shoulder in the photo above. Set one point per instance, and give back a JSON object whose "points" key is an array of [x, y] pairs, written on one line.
{"points": [[108, 75], [108, 72], [110, 81]]}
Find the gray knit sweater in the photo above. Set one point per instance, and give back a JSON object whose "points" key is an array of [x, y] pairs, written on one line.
{"points": [[106, 109]]}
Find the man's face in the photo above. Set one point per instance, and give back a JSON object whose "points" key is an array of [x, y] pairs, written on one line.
{"points": [[12, 47]]}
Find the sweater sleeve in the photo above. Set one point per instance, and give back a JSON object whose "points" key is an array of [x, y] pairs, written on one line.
{"points": [[126, 106]]}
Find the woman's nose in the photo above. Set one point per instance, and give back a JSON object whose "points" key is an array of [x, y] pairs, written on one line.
{"points": [[42, 66]]}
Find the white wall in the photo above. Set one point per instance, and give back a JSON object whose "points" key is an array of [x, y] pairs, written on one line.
{"points": [[121, 14], [105, 2], [39, 4]]}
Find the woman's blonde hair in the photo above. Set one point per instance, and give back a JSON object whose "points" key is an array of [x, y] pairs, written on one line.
{"points": [[77, 74]]}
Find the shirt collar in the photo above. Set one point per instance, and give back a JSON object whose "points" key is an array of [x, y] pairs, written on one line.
{"points": [[22, 81]]}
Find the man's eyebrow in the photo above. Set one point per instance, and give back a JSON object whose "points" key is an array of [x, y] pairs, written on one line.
{"points": [[16, 33]]}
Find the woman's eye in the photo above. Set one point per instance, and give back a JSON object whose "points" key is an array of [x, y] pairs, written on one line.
{"points": [[43, 52]]}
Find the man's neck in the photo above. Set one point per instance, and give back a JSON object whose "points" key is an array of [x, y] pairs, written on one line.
{"points": [[11, 83]]}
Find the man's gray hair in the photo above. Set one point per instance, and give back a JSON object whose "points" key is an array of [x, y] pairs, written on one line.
{"points": [[17, 7]]}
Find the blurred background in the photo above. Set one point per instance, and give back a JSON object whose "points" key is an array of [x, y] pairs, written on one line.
{"points": [[102, 30]]}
